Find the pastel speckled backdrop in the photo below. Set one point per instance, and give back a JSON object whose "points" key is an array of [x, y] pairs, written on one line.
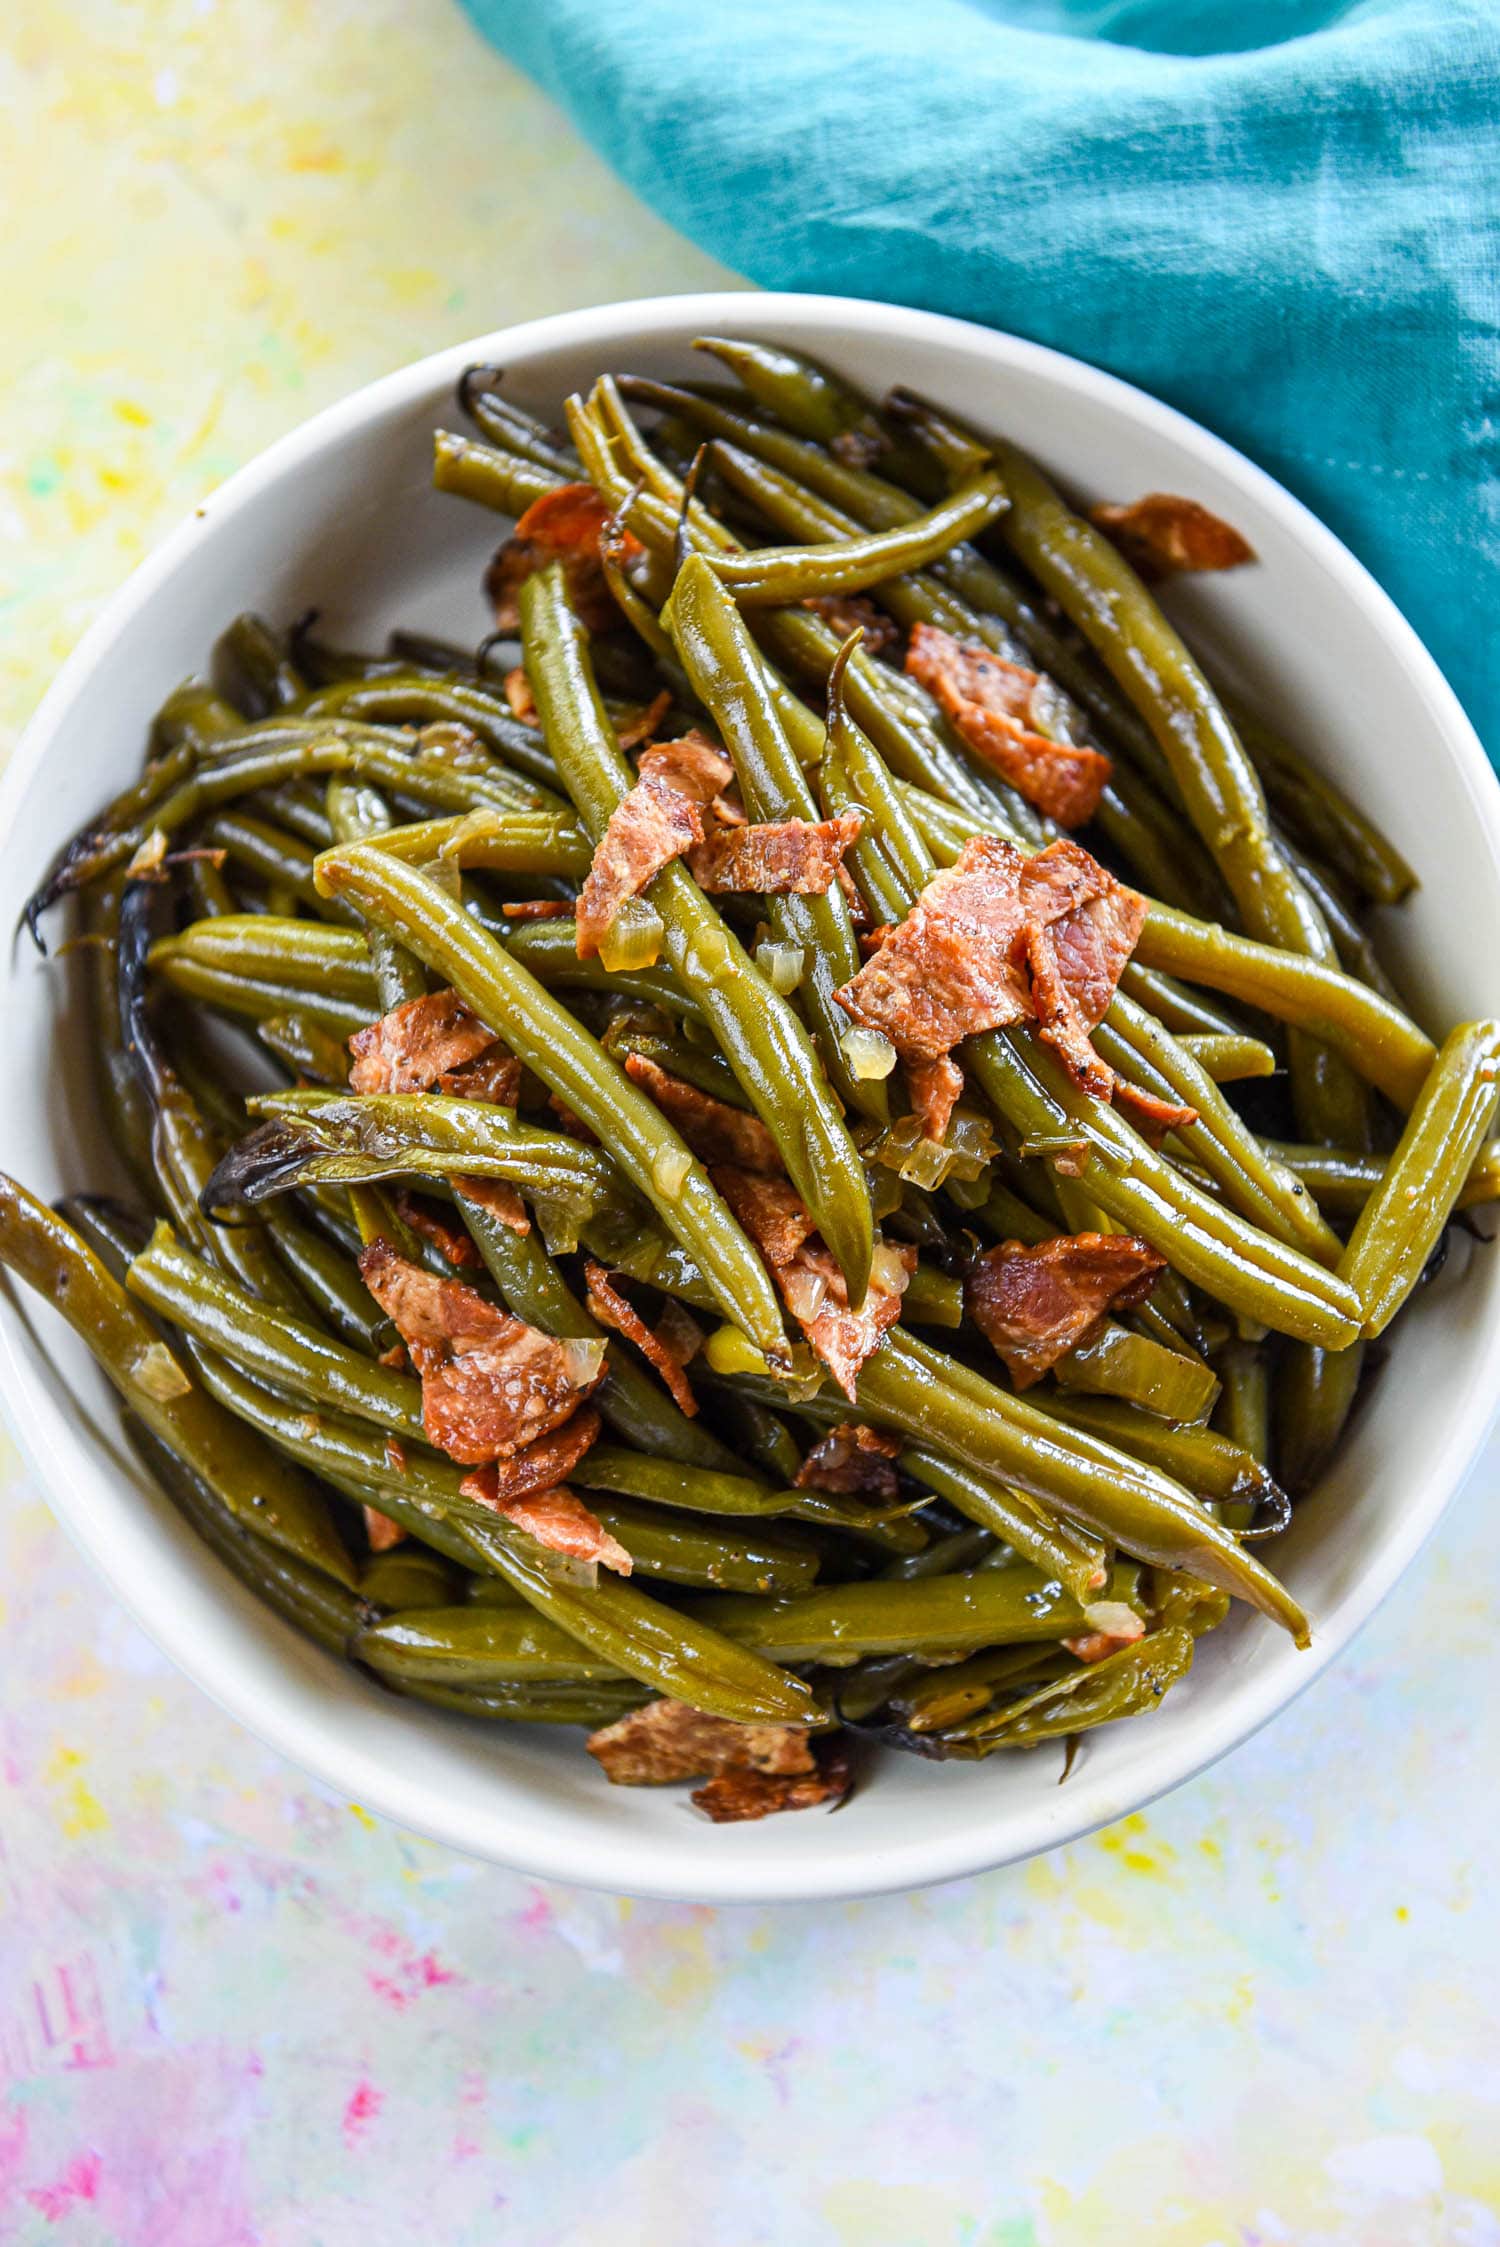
{"points": [[236, 2012]]}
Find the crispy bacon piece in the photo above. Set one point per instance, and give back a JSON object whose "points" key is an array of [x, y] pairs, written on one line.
{"points": [[989, 702], [490, 1383], [736, 1795], [778, 858], [1033, 1305], [714, 1131], [564, 525], [519, 695], [653, 825], [641, 724], [812, 1286], [1163, 534], [431, 1220], [948, 970], [414, 1045], [667, 1740], [1112, 1625], [381, 1531], [498, 1199], [494, 1076], [541, 1466], [856, 612], [853, 1461], [611, 1309], [539, 909], [692, 765], [934, 1087], [559, 1519], [997, 938]]}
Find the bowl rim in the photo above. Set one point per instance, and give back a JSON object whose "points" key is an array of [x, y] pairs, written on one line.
{"points": [[642, 1865]]}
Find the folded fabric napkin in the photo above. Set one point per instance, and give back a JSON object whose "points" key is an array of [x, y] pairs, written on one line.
{"points": [[1283, 217]]}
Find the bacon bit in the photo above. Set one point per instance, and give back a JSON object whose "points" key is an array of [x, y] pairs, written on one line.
{"points": [[947, 971], [410, 1048], [641, 724], [934, 1087], [1162, 535], [490, 1383], [667, 1740], [611, 1309], [1113, 1626], [997, 938], [539, 909], [812, 1286], [692, 766], [729, 808], [870, 940], [989, 701], [653, 825], [856, 612], [497, 1199], [852, 1461], [1034, 1305], [779, 858], [380, 1531], [565, 525], [395, 1455], [495, 1076], [559, 1519], [714, 1131], [1153, 1116], [541, 1466], [859, 447], [737, 1795], [428, 1218], [519, 695], [396, 1358]]}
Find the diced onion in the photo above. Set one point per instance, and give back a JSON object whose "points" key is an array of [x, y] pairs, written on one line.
{"points": [[444, 871], [147, 859], [1114, 1619], [669, 1169], [782, 965], [583, 1358], [158, 1375], [804, 1293], [475, 827], [869, 1053], [711, 959], [633, 938], [888, 1270]]}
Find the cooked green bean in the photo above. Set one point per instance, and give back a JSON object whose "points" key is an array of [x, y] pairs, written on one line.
{"points": [[263, 1493], [1400, 1224], [731, 1556], [1228, 1059], [1054, 1546], [777, 575], [573, 1065], [760, 1035], [723, 667]]}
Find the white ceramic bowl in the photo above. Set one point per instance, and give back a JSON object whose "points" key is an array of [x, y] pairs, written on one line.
{"points": [[341, 514]]}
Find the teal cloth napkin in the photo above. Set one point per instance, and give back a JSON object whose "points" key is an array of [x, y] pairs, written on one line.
{"points": [[1280, 215]]}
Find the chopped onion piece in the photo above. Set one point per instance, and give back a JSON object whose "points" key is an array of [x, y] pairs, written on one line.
{"points": [[157, 1373], [583, 1357], [888, 1268], [868, 1052], [148, 858], [1114, 1619], [711, 959], [475, 827], [669, 1169], [804, 1293], [782, 965], [633, 939]]}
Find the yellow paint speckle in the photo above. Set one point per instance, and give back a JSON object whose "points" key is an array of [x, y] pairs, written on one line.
{"points": [[357, 1811]]}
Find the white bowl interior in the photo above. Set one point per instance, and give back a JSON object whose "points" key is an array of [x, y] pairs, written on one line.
{"points": [[341, 515]]}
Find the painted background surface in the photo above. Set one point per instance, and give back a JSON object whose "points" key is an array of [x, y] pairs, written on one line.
{"points": [[237, 2012]]}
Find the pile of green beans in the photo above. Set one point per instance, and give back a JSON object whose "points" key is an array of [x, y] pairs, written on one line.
{"points": [[320, 835]]}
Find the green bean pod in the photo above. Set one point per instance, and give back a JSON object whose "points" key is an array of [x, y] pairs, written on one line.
{"points": [[573, 1065], [1400, 1224], [263, 1493], [761, 1037]]}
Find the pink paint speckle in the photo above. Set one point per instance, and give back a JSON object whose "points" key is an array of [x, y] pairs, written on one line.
{"points": [[538, 1913], [410, 1977], [78, 2182], [364, 2104]]}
